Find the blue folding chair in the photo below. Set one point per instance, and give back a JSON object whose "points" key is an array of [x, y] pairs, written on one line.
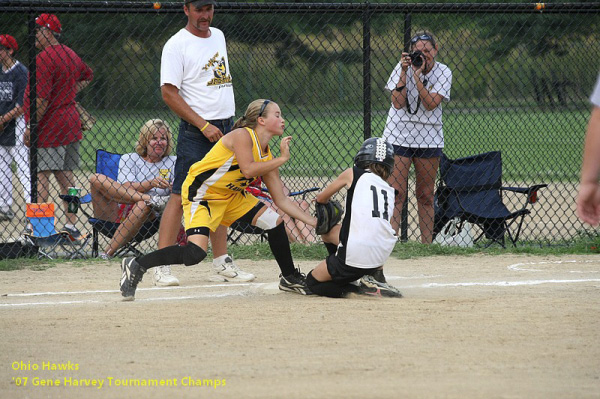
{"points": [[45, 236], [107, 163], [471, 188]]}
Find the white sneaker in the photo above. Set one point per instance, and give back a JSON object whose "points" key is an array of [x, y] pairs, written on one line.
{"points": [[162, 276], [226, 270], [158, 202]]}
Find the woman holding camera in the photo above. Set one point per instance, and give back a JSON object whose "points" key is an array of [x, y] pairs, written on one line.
{"points": [[418, 84]]}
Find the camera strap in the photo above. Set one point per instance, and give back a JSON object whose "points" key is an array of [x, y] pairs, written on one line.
{"points": [[425, 81]]}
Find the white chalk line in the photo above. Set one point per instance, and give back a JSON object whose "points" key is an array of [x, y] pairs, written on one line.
{"points": [[521, 266], [504, 283], [187, 287], [89, 301], [251, 285]]}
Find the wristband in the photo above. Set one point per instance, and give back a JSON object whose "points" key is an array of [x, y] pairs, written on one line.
{"points": [[400, 88], [205, 126]]}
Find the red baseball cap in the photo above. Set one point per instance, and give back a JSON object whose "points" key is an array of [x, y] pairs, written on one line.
{"points": [[49, 21], [9, 42]]}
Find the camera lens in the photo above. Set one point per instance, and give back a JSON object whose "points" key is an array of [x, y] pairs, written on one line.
{"points": [[416, 58]]}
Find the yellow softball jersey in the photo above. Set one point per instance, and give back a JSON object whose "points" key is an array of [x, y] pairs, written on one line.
{"points": [[214, 191]]}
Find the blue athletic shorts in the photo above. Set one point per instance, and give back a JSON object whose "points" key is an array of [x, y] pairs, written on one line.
{"points": [[408, 152], [192, 146]]}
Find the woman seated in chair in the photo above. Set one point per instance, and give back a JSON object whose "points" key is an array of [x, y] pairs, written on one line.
{"points": [[142, 188], [297, 230]]}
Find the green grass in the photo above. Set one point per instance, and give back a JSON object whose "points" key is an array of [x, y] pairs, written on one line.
{"points": [[536, 145], [581, 245]]}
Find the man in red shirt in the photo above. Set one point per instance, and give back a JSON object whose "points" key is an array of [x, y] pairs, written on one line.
{"points": [[60, 74]]}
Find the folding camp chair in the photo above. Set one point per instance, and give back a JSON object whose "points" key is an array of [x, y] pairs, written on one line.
{"points": [[471, 188], [238, 229], [46, 238], [107, 163]]}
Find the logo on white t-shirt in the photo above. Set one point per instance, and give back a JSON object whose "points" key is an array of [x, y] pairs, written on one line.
{"points": [[219, 68]]}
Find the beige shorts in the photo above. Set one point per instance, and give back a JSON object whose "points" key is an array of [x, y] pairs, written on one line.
{"points": [[59, 158]]}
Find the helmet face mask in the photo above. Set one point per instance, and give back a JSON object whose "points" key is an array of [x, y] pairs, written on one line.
{"points": [[375, 150]]}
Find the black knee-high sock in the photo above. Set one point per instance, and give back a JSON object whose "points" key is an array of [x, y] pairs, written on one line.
{"points": [[280, 246], [188, 255], [325, 288], [331, 248], [165, 256]]}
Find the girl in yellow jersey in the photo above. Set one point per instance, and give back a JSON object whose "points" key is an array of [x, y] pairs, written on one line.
{"points": [[214, 194]]}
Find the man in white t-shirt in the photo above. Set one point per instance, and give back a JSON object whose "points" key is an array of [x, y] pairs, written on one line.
{"points": [[418, 85], [588, 200], [196, 84]]}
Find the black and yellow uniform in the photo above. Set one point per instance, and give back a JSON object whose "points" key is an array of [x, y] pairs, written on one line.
{"points": [[214, 191]]}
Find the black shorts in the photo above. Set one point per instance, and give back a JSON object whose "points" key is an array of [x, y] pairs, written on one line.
{"points": [[343, 274], [408, 152]]}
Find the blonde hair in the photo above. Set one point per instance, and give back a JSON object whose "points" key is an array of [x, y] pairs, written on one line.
{"points": [[250, 117], [148, 131]]}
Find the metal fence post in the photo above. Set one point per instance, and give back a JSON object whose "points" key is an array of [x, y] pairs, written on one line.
{"points": [[367, 70]]}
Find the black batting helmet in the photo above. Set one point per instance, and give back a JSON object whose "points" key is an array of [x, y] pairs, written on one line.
{"points": [[375, 150]]}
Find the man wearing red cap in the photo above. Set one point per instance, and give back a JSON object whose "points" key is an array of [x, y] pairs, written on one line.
{"points": [[61, 74], [13, 80]]}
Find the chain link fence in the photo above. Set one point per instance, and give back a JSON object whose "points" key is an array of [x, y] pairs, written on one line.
{"points": [[521, 78]]}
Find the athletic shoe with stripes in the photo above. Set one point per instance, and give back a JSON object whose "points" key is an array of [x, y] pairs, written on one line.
{"points": [[369, 286], [295, 282], [132, 274], [162, 277], [228, 271]]}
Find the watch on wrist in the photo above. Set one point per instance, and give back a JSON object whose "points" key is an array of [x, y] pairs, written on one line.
{"points": [[400, 88]]}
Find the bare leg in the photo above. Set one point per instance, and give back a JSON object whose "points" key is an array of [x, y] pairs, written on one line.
{"points": [[306, 232], [170, 223], [399, 181], [333, 235], [290, 227], [129, 227], [115, 191], [42, 185], [200, 240], [104, 207], [65, 180], [218, 240], [426, 171], [320, 272]]}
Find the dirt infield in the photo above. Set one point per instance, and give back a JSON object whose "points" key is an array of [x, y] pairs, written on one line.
{"points": [[468, 327]]}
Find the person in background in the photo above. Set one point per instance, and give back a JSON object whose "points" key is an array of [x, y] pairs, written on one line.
{"points": [[196, 85], [13, 81], [588, 199], [418, 85], [60, 75], [141, 190]]}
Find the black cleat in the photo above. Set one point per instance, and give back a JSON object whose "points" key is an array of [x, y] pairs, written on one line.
{"points": [[295, 283], [132, 275], [378, 276], [371, 287]]}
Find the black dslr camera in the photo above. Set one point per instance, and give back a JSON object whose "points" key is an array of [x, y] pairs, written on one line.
{"points": [[417, 58]]}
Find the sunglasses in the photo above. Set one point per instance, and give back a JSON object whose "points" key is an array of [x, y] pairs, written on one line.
{"points": [[424, 36], [262, 107]]}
